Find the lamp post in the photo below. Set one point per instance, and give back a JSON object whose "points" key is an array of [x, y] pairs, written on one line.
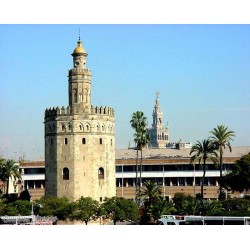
{"points": [[163, 183], [122, 180], [194, 180]]}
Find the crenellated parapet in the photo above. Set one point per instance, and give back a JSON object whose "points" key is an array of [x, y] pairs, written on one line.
{"points": [[86, 73], [57, 111], [102, 111]]}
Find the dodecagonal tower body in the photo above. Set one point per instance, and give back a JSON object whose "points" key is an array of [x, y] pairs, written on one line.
{"points": [[80, 141]]}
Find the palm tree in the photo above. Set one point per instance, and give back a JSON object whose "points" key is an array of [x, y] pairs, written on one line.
{"points": [[221, 139], [139, 123], [203, 151], [9, 170], [142, 139], [151, 191]]}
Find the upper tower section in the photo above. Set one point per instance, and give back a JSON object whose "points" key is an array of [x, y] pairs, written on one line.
{"points": [[157, 114], [158, 133], [79, 56], [79, 82]]}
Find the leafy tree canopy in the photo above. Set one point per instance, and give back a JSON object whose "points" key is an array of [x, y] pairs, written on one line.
{"points": [[52, 206], [85, 209], [120, 209], [239, 178]]}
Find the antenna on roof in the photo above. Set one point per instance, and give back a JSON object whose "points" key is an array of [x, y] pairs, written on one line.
{"points": [[79, 34]]}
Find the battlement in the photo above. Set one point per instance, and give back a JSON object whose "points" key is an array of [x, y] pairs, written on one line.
{"points": [[95, 110], [79, 71], [102, 110], [58, 111]]}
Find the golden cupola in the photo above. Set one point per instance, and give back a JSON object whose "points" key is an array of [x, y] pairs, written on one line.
{"points": [[79, 50]]}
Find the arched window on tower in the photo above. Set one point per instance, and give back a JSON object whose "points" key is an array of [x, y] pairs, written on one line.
{"points": [[65, 174], [100, 173], [83, 140], [80, 97], [100, 140]]}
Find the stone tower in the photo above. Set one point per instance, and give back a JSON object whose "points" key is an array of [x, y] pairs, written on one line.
{"points": [[80, 141], [158, 133]]}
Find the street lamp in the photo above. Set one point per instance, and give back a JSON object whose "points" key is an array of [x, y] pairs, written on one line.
{"points": [[194, 180], [163, 183], [122, 180]]}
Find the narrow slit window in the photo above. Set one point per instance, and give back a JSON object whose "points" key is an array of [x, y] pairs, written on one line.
{"points": [[65, 174]]}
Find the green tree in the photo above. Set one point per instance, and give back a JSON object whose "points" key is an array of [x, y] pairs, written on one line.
{"points": [[239, 177], [53, 206], [192, 206], [236, 207], [85, 209], [139, 123], [221, 137], [9, 170], [22, 207], [213, 208], [1, 172], [142, 139], [119, 209], [150, 192], [161, 207], [202, 152], [153, 202], [179, 202]]}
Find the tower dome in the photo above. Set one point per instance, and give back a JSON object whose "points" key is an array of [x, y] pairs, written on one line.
{"points": [[79, 49]]}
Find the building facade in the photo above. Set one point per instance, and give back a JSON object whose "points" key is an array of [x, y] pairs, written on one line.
{"points": [[169, 168], [79, 141]]}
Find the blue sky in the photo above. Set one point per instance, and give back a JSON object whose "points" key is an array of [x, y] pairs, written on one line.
{"points": [[201, 71]]}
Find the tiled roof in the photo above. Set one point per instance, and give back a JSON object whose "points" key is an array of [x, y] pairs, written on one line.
{"points": [[160, 153]]}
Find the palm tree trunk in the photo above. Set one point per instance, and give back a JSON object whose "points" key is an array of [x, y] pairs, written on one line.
{"points": [[220, 181], [136, 177], [203, 178], [140, 179], [7, 186]]}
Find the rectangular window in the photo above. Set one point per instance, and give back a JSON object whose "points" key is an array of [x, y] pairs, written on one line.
{"points": [[65, 141]]}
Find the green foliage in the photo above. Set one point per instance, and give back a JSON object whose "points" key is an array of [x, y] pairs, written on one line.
{"points": [[141, 138], [213, 208], [150, 192], [203, 151], [178, 201], [239, 178], [119, 209], [52, 206], [154, 204], [236, 207], [221, 138], [188, 205], [192, 206], [9, 170], [85, 209], [160, 207], [23, 207]]}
